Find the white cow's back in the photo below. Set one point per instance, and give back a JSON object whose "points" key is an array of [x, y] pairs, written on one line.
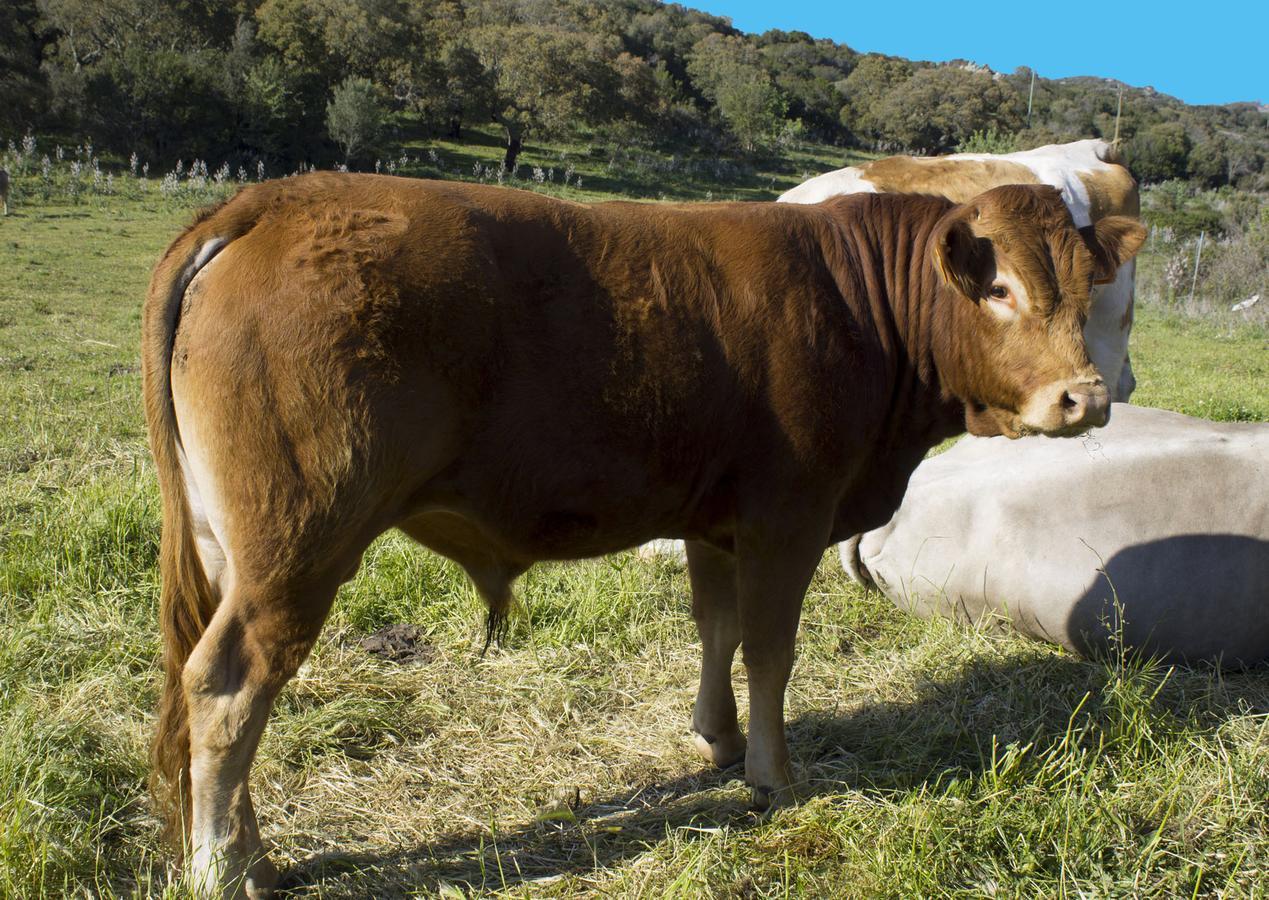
{"points": [[1166, 515], [1064, 166]]}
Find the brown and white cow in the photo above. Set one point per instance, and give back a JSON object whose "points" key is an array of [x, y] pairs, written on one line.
{"points": [[1093, 185], [511, 378]]}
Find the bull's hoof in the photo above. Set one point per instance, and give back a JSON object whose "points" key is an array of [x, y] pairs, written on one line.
{"points": [[723, 751], [262, 879], [766, 800], [257, 880]]}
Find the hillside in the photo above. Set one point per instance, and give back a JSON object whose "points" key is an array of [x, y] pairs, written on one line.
{"points": [[319, 81]]}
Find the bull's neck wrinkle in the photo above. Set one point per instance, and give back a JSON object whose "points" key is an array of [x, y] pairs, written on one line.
{"points": [[887, 242]]}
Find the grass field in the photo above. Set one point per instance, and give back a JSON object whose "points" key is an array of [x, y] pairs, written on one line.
{"points": [[934, 760]]}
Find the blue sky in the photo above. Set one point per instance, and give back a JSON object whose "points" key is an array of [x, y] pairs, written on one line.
{"points": [[1201, 52]]}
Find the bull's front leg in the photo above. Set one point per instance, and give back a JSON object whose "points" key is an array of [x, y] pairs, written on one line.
{"points": [[713, 576], [774, 569]]}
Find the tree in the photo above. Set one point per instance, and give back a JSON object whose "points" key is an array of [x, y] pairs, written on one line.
{"points": [[545, 80], [941, 106], [1208, 162], [274, 120], [1159, 152], [355, 115], [22, 84], [807, 72], [728, 73], [863, 90], [466, 89], [668, 32], [164, 103]]}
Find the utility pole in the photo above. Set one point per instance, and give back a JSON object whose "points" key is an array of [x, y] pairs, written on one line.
{"points": [[1118, 109], [1030, 97]]}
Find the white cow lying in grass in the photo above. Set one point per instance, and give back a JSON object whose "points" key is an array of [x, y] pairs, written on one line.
{"points": [[1157, 524]]}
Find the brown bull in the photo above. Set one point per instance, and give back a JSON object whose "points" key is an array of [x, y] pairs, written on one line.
{"points": [[510, 378]]}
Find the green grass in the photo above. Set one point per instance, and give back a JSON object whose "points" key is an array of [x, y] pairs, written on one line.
{"points": [[609, 172], [934, 760], [1207, 369]]}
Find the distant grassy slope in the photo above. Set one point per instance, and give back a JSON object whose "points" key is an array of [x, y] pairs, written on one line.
{"points": [[936, 761], [633, 172]]}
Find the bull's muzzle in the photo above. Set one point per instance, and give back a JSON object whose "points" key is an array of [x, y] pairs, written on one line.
{"points": [[1085, 405], [1066, 408]]}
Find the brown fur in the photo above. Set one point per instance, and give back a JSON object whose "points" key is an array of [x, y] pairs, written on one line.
{"points": [[510, 378], [186, 603], [950, 178], [1111, 193]]}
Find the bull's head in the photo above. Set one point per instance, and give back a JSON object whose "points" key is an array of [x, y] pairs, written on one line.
{"points": [[1014, 353]]}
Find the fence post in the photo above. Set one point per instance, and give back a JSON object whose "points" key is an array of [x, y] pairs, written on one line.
{"points": [[1197, 257]]}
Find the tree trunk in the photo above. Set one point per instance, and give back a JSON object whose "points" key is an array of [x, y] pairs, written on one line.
{"points": [[514, 144], [455, 127]]}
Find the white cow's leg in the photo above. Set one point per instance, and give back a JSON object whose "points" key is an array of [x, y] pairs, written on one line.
{"points": [[253, 645], [713, 576]]}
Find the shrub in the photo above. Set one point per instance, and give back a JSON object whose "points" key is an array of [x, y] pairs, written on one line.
{"points": [[355, 116], [989, 141]]}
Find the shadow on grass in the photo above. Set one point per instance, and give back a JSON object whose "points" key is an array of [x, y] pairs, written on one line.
{"points": [[950, 731]]}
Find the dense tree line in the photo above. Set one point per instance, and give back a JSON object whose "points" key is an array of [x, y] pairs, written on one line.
{"points": [[317, 80]]}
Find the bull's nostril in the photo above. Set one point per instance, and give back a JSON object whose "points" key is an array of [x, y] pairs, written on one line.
{"points": [[1068, 402]]}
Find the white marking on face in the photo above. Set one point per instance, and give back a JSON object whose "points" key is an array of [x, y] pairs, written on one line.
{"points": [[1007, 297]]}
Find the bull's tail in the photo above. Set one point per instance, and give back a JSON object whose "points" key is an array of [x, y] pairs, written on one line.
{"points": [[187, 600]]}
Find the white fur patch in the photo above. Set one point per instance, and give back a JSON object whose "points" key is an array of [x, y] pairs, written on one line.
{"points": [[206, 515], [206, 511], [206, 252], [843, 181], [663, 547], [1060, 165], [1106, 333], [1020, 302]]}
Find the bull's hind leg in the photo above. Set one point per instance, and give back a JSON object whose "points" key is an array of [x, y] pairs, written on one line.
{"points": [[713, 576], [256, 641]]}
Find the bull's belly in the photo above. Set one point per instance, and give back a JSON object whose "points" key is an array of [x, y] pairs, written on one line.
{"points": [[557, 516]]}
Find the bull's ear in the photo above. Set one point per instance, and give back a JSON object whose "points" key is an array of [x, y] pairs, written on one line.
{"points": [[963, 260], [1113, 241]]}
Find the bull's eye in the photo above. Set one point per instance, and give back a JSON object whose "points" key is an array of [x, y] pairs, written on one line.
{"points": [[998, 292]]}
